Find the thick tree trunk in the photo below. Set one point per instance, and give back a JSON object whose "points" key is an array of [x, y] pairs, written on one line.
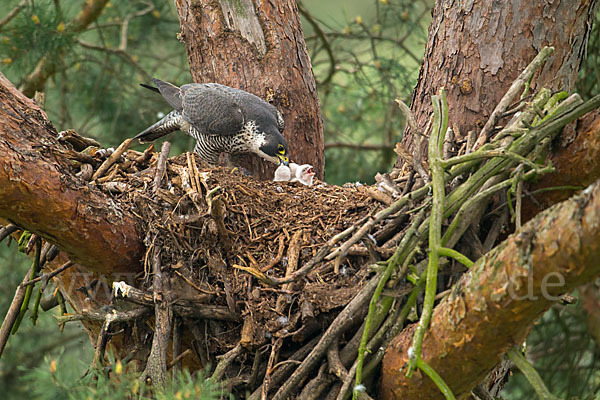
{"points": [[494, 305], [258, 47], [477, 49]]}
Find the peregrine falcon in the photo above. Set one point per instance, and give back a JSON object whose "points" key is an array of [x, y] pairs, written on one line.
{"points": [[222, 120]]}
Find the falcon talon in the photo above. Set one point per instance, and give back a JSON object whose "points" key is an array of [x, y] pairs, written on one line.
{"points": [[222, 120]]}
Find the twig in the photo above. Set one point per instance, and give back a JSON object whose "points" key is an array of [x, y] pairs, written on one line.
{"points": [[436, 378], [335, 364], [436, 142], [112, 159], [226, 360], [512, 92], [99, 315], [531, 374], [34, 270], [161, 165], [343, 319], [283, 369], [13, 312], [49, 275], [7, 230], [102, 340], [272, 358], [177, 360], [13, 13], [181, 307]]}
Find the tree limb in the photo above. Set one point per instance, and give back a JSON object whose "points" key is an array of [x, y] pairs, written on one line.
{"points": [[39, 192], [495, 303]]}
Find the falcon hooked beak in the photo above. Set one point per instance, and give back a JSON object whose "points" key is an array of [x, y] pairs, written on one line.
{"points": [[282, 159]]}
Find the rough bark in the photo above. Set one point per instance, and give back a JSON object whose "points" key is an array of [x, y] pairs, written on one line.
{"points": [[258, 47], [494, 305], [476, 49], [38, 191], [576, 158]]}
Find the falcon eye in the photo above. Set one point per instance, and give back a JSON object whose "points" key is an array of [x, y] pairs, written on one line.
{"points": [[281, 149]]}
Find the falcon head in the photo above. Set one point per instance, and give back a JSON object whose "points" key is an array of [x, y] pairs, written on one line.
{"points": [[274, 148]]}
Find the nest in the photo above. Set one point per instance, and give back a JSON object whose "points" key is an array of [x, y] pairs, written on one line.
{"points": [[243, 260], [218, 230]]}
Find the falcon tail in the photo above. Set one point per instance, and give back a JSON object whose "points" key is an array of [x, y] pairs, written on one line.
{"points": [[169, 123]]}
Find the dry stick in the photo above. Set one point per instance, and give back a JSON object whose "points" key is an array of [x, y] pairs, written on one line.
{"points": [[226, 360], [177, 345], [512, 92], [156, 367], [343, 319], [293, 257], [112, 159], [102, 341], [98, 316], [282, 370], [277, 258], [49, 275], [13, 312], [314, 388], [272, 357], [7, 230], [161, 165], [177, 360], [335, 364]]}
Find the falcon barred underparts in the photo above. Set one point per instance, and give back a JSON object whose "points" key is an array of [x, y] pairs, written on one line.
{"points": [[222, 120]]}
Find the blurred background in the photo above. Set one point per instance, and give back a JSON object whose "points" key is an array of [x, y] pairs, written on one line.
{"points": [[364, 54]]}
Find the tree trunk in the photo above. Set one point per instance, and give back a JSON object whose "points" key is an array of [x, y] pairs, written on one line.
{"points": [[258, 47], [477, 49]]}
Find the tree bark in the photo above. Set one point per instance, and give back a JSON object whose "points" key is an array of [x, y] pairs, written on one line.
{"points": [[494, 305], [476, 50], [258, 47], [39, 192]]}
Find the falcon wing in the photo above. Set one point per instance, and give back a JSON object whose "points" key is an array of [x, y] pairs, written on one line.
{"points": [[211, 110], [170, 92]]}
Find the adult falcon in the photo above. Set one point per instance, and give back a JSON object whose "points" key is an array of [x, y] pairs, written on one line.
{"points": [[222, 120]]}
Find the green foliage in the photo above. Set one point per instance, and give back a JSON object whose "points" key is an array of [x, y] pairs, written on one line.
{"points": [[362, 64], [53, 381], [27, 349], [564, 354], [36, 31], [588, 81]]}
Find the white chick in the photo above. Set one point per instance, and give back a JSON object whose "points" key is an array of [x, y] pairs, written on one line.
{"points": [[302, 173], [283, 173], [295, 173]]}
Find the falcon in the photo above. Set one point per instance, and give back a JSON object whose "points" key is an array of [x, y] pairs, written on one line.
{"points": [[222, 120]]}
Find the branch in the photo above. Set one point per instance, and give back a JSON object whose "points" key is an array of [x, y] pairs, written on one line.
{"points": [[510, 287], [46, 67], [39, 192]]}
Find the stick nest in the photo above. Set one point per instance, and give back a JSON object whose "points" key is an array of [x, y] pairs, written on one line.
{"points": [[224, 238]]}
